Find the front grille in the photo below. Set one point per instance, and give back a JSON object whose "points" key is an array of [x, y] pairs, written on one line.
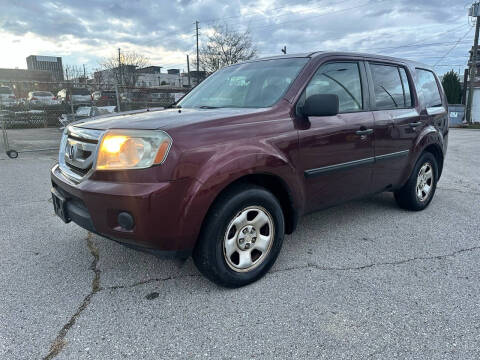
{"points": [[78, 152]]}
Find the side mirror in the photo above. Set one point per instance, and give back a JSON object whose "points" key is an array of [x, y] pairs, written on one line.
{"points": [[321, 105]]}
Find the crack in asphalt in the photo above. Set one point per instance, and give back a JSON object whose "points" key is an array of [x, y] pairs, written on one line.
{"points": [[59, 342], [387, 263], [308, 265], [148, 281], [469, 192]]}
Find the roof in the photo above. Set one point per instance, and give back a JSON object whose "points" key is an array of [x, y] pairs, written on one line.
{"points": [[339, 53]]}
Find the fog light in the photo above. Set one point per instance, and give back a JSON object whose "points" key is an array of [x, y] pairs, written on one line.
{"points": [[125, 220]]}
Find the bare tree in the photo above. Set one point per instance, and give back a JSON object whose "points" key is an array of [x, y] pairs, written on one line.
{"points": [[124, 72], [226, 47], [73, 72]]}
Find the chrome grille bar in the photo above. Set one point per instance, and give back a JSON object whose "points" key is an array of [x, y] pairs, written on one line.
{"points": [[78, 152]]}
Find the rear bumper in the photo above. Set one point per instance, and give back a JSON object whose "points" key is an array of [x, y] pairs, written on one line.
{"points": [[157, 209]]}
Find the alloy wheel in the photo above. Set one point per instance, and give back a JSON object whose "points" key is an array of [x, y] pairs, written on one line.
{"points": [[424, 182]]}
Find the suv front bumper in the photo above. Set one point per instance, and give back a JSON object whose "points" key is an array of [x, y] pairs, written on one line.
{"points": [[157, 209]]}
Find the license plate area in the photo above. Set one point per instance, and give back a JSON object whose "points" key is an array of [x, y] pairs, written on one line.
{"points": [[60, 205]]}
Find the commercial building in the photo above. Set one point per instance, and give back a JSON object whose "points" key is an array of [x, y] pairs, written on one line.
{"points": [[51, 64]]}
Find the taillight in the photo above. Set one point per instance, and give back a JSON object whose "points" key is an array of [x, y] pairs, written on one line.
{"points": [[11, 97], [34, 98], [54, 98]]}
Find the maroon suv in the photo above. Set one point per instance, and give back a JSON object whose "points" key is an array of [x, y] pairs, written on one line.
{"points": [[228, 171]]}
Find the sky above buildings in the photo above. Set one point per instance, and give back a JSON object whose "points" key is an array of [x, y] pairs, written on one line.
{"points": [[436, 32]]}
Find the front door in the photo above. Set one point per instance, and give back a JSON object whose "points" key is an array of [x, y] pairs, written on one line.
{"points": [[336, 152]]}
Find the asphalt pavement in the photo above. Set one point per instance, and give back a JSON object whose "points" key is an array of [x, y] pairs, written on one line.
{"points": [[361, 280]]}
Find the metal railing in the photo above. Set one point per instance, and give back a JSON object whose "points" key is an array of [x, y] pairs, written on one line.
{"points": [[68, 102]]}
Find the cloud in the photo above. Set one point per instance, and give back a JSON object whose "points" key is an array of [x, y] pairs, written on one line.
{"points": [[89, 30]]}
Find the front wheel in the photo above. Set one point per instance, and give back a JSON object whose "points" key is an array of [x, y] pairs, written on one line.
{"points": [[242, 236], [417, 193]]}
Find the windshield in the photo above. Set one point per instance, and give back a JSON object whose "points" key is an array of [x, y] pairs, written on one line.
{"points": [[251, 85], [42, 93]]}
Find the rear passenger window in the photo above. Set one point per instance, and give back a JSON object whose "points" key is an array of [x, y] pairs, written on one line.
{"points": [[341, 79], [391, 87], [428, 89]]}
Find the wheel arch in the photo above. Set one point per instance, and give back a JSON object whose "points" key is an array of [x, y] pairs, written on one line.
{"points": [[277, 186], [432, 141], [437, 152]]}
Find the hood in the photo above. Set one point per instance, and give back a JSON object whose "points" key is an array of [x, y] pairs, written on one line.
{"points": [[162, 119]]}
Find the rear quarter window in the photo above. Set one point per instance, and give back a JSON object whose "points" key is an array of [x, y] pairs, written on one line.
{"points": [[427, 88]]}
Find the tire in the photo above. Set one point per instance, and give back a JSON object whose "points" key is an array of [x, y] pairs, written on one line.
{"points": [[412, 198], [233, 249]]}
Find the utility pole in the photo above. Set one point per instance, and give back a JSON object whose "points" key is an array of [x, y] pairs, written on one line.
{"points": [[84, 75], [198, 58], [120, 68], [188, 71], [473, 12]]}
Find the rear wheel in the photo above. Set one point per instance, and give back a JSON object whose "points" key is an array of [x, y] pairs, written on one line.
{"points": [[417, 193], [242, 236]]}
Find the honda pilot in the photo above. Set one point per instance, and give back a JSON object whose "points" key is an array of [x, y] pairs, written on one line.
{"points": [[228, 171]]}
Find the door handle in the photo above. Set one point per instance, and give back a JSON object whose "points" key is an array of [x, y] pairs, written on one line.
{"points": [[415, 124], [364, 132]]}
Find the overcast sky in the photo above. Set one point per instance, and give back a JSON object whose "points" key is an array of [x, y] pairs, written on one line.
{"points": [[84, 32]]}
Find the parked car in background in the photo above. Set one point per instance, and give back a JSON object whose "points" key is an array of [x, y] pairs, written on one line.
{"points": [[7, 97], [104, 98], [76, 96], [160, 99], [41, 98], [225, 174]]}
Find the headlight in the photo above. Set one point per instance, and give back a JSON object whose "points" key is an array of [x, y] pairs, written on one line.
{"points": [[132, 149]]}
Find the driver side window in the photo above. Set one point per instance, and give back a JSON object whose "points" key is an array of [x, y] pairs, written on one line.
{"points": [[341, 79]]}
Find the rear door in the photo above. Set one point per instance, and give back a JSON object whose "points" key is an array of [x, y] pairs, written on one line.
{"points": [[336, 152], [397, 121]]}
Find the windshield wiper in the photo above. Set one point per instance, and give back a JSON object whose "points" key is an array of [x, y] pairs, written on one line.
{"points": [[207, 107]]}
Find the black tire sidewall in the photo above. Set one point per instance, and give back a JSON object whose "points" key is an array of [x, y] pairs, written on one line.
{"points": [[209, 256]]}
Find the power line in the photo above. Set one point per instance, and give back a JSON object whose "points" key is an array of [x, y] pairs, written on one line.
{"points": [[273, 16], [454, 46], [213, 20], [448, 31], [317, 15]]}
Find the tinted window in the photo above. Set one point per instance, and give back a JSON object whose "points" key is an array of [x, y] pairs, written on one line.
{"points": [[428, 89], [42, 93], [341, 79], [406, 87], [5, 90], [80, 92], [388, 87]]}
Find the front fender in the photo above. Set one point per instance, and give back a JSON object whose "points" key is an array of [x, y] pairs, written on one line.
{"points": [[220, 171]]}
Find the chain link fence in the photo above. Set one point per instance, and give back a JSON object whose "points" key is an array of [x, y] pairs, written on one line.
{"points": [[30, 105]]}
